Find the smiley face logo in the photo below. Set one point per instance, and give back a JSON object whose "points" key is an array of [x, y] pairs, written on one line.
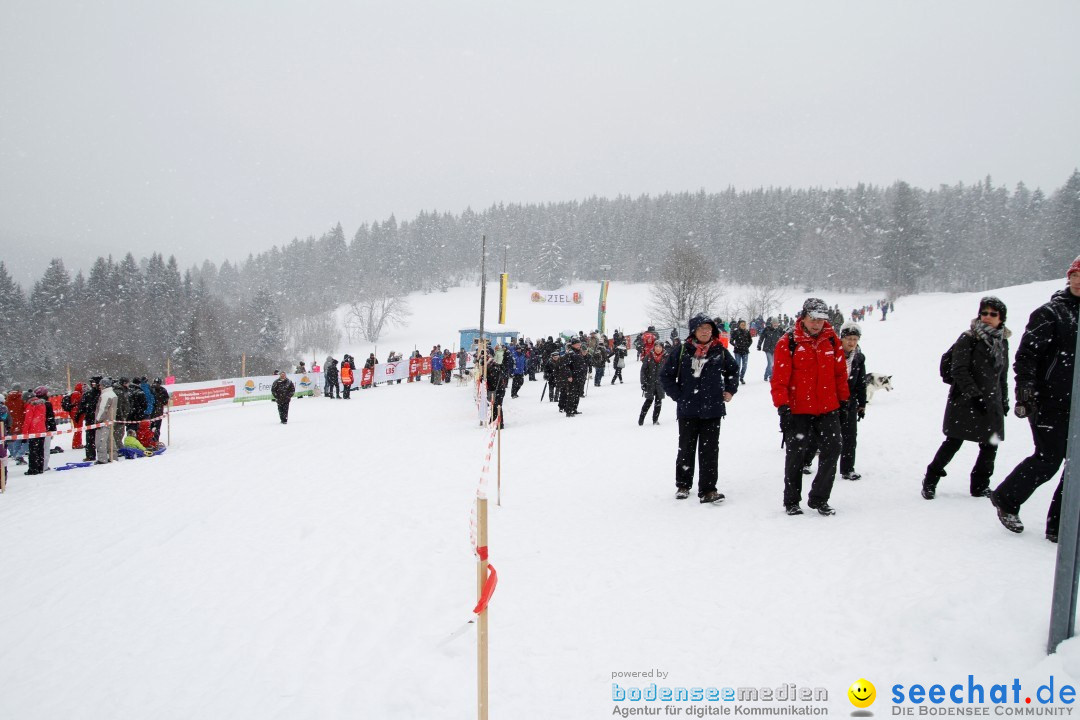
{"points": [[862, 693]]}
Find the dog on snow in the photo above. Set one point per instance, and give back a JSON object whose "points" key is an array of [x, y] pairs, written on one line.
{"points": [[875, 382]]}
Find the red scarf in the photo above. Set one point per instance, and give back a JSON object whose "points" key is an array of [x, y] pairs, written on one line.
{"points": [[700, 350]]}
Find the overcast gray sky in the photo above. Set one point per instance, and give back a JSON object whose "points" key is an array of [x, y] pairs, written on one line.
{"points": [[213, 129]]}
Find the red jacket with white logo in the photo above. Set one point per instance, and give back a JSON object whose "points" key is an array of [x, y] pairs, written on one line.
{"points": [[812, 380]]}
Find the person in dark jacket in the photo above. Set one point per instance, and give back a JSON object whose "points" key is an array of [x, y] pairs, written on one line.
{"points": [[88, 409], [809, 385], [767, 343], [553, 376], [1044, 366], [854, 409], [282, 390], [161, 405], [497, 375], [123, 411], [137, 404], [650, 384], [700, 375], [519, 361], [333, 387], [741, 340], [618, 361], [978, 398], [575, 369]]}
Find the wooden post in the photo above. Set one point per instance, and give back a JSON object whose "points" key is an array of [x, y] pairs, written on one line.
{"points": [[168, 423], [3, 462], [243, 369], [482, 621], [69, 379], [168, 366], [112, 438]]}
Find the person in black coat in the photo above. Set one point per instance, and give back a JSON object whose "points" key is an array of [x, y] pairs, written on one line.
{"points": [[978, 398], [575, 370], [497, 375], [767, 342], [741, 340], [700, 375], [161, 406], [618, 361], [282, 390], [854, 409], [650, 383], [88, 409], [1044, 366]]}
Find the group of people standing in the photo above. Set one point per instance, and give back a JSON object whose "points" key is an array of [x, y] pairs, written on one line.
{"points": [[134, 409]]}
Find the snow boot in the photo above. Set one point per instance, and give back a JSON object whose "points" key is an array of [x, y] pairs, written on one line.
{"points": [[850, 476], [793, 509], [641, 419], [712, 497], [1011, 521], [822, 507], [682, 493], [929, 488]]}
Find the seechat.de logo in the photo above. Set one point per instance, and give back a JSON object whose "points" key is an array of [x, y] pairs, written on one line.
{"points": [[304, 381], [249, 386]]}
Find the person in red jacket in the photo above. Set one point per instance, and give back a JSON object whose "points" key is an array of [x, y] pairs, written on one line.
{"points": [[76, 417], [809, 383], [17, 409]]}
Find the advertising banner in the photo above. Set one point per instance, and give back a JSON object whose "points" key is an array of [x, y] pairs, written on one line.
{"points": [[387, 372], [229, 390], [365, 377], [564, 298]]}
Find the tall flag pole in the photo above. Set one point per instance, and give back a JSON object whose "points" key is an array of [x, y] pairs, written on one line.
{"points": [[601, 312]]}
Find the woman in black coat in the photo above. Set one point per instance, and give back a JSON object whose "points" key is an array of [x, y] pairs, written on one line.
{"points": [[978, 398]]}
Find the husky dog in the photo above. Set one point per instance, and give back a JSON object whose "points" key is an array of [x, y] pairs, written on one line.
{"points": [[875, 382]]}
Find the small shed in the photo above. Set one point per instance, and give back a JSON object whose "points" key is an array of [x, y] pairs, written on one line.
{"points": [[470, 337]]}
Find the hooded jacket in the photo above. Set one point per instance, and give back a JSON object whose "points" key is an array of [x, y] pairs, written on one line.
{"points": [[698, 384]]}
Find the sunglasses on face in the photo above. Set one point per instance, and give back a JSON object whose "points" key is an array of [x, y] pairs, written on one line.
{"points": [[988, 313]]}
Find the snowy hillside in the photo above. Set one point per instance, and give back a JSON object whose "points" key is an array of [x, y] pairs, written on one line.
{"points": [[320, 569]]}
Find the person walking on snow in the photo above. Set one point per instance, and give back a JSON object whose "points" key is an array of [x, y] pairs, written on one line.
{"points": [[650, 384], [1044, 366], [701, 376], [809, 384], [978, 398], [282, 390]]}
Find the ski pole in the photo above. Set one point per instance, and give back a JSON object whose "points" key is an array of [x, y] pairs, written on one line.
{"points": [[542, 391]]}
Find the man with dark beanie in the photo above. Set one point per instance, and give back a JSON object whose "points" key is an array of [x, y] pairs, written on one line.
{"points": [[1044, 377]]}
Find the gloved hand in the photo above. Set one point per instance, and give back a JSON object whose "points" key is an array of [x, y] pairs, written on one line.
{"points": [[862, 413], [1025, 403], [784, 411], [979, 403]]}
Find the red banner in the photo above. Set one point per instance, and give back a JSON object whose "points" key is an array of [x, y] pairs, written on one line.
{"points": [[425, 366], [365, 377], [202, 395], [414, 367]]}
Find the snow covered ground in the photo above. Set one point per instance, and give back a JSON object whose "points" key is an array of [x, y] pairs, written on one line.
{"points": [[320, 569]]}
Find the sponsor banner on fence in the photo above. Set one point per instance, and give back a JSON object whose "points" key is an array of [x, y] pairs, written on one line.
{"points": [[567, 297], [229, 390]]}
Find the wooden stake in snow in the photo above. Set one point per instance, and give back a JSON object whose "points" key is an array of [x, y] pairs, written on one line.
{"points": [[482, 620]]}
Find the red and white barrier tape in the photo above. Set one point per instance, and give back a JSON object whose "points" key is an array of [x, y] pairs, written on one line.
{"points": [[481, 551], [34, 436]]}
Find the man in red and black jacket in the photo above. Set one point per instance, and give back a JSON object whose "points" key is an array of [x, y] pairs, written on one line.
{"points": [[809, 384]]}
